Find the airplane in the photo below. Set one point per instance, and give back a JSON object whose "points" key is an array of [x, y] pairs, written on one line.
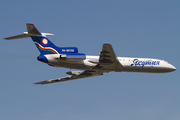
{"points": [[69, 57]]}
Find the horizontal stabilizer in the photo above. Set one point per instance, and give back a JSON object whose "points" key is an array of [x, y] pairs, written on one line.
{"points": [[32, 31], [17, 36]]}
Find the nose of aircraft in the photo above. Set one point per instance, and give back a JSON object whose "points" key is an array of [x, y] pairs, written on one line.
{"points": [[172, 68]]}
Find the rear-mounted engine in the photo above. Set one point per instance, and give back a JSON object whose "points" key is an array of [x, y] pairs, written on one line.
{"points": [[73, 56]]}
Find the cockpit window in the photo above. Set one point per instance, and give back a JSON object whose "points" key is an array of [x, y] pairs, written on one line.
{"points": [[166, 62]]}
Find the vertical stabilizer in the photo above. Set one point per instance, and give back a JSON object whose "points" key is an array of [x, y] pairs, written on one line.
{"points": [[44, 45], [32, 29]]}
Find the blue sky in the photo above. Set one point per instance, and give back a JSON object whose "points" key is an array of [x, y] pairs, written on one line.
{"points": [[141, 28]]}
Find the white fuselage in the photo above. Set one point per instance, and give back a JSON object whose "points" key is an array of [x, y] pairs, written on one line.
{"points": [[129, 64]]}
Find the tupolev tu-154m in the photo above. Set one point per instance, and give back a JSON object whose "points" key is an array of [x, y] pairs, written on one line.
{"points": [[69, 57]]}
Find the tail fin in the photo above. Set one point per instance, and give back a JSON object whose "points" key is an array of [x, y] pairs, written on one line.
{"points": [[32, 29], [44, 45]]}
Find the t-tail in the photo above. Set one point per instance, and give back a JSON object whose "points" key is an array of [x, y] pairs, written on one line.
{"points": [[44, 45]]}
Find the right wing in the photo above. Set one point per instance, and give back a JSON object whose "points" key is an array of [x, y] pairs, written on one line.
{"points": [[72, 76]]}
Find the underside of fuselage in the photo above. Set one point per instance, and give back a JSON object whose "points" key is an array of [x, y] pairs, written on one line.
{"points": [[148, 70]]}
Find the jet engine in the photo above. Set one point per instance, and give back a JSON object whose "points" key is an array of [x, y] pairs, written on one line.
{"points": [[73, 56]]}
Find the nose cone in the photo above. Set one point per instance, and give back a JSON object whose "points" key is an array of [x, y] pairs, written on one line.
{"points": [[171, 68]]}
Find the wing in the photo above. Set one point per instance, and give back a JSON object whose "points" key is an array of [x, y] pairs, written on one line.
{"points": [[72, 76], [108, 59]]}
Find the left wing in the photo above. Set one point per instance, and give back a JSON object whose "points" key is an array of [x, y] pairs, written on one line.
{"points": [[72, 76], [108, 59]]}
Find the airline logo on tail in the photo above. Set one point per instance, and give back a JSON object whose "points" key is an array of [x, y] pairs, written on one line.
{"points": [[44, 41]]}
